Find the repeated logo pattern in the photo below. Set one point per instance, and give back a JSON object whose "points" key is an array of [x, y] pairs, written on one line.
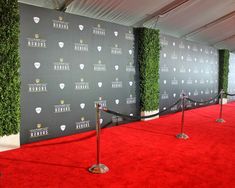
{"points": [[69, 64], [187, 67]]}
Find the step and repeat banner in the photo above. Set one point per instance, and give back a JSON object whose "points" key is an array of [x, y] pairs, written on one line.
{"points": [[187, 67], [68, 64], [231, 77]]}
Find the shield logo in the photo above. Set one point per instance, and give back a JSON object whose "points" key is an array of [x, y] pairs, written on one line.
{"points": [[115, 33], [37, 65], [62, 85], [130, 52], [81, 27], [130, 83], [61, 44], [100, 84], [38, 110], [117, 101], [116, 67], [62, 127], [101, 121], [99, 48], [82, 105], [36, 19], [81, 66]]}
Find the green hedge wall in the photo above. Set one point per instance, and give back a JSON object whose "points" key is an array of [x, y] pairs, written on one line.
{"points": [[148, 60], [223, 69], [9, 68]]}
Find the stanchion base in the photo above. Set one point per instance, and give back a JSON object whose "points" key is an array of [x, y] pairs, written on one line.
{"points": [[98, 169], [220, 120], [182, 136]]}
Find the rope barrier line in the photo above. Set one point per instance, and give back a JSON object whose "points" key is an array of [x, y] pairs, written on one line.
{"points": [[203, 102], [229, 94], [139, 117], [156, 114]]}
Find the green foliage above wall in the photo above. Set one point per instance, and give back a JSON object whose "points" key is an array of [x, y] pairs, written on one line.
{"points": [[9, 68], [148, 60], [223, 69]]}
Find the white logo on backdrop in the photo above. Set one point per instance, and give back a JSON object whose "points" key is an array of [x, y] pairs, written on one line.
{"points": [[81, 46], [116, 67], [39, 131], [116, 50], [101, 120], [81, 66], [100, 84], [36, 42], [82, 105], [98, 30], [61, 65], [129, 36], [174, 56], [181, 45], [62, 127], [101, 102], [116, 83], [99, 66], [117, 101], [38, 110], [36, 19], [115, 33], [82, 85], [60, 108], [163, 41], [61, 44], [174, 82], [164, 68], [62, 85], [37, 65], [131, 100], [130, 67], [82, 124], [60, 24], [38, 87], [81, 27], [99, 48]]}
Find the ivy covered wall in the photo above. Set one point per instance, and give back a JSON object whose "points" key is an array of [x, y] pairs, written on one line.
{"points": [[148, 60], [9, 68]]}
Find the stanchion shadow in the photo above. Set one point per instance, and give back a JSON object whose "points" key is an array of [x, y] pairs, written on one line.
{"points": [[43, 163], [92, 134]]}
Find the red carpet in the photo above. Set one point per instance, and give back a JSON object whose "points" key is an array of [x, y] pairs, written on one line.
{"points": [[139, 155]]}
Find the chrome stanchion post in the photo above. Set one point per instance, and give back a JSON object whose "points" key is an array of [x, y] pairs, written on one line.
{"points": [[220, 119], [98, 168], [182, 135]]}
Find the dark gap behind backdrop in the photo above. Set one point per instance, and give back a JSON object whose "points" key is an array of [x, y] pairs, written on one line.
{"points": [[231, 77], [69, 62]]}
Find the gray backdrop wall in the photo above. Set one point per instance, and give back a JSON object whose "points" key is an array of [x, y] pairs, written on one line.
{"points": [[231, 76], [188, 67], [68, 64]]}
